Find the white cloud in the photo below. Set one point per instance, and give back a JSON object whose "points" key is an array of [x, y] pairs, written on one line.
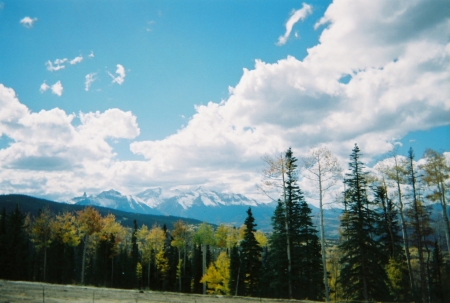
{"points": [[398, 84], [121, 75], [44, 87], [50, 156], [56, 65], [395, 53], [57, 89], [90, 78], [91, 55], [76, 60], [28, 22], [296, 16]]}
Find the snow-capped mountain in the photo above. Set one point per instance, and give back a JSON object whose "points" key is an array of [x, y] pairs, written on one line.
{"points": [[115, 200], [208, 206]]}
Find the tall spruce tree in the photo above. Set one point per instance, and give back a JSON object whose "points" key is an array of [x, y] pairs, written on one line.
{"points": [[362, 274], [251, 257], [306, 269]]}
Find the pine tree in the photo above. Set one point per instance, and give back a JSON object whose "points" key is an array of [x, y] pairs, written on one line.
{"points": [[362, 275], [236, 284], [134, 255], [306, 266], [251, 257], [3, 243], [16, 245]]}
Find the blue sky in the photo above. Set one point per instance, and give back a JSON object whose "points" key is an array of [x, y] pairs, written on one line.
{"points": [[194, 93]]}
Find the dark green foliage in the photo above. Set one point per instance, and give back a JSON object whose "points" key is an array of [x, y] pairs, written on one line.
{"points": [[389, 230], [134, 255], [251, 257], [196, 265], [16, 243], [362, 276], [439, 277], [236, 278], [3, 243], [306, 275]]}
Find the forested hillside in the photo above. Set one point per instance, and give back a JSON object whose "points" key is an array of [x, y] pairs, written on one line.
{"points": [[389, 248]]}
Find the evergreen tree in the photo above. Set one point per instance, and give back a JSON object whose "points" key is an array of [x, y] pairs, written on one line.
{"points": [[16, 244], [3, 244], [437, 276], [251, 257], [236, 283], [134, 255], [306, 264], [362, 274]]}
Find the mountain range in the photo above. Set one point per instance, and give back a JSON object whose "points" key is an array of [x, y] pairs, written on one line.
{"points": [[200, 204]]}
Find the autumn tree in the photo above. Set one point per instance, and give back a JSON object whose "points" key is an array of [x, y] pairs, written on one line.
{"points": [[275, 178], [90, 222], [41, 235], [397, 172], [180, 238], [419, 220], [437, 172], [217, 276], [323, 169], [204, 236]]}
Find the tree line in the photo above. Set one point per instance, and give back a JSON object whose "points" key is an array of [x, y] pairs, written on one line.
{"points": [[389, 249]]}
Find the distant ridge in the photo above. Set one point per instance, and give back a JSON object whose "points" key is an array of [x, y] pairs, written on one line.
{"points": [[31, 205]]}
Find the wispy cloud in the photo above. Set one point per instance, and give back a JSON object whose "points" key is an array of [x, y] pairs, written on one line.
{"points": [[90, 78], [76, 60], [57, 89], [91, 55], [121, 75], [28, 22], [44, 87], [56, 65], [297, 15]]}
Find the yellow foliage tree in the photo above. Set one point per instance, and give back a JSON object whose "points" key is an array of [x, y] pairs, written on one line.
{"points": [[41, 234], [217, 276]]}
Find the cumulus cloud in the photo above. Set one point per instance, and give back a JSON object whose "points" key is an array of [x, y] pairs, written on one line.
{"points": [[398, 78], [90, 78], [121, 75], [394, 55], [296, 16], [57, 88], [76, 60], [56, 65], [28, 22], [50, 156]]}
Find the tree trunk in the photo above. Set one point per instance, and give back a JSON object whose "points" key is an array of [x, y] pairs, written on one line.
{"points": [[179, 277], [45, 262], [84, 259], [288, 241], [148, 273], [404, 231], [445, 213], [203, 246], [418, 228], [322, 240]]}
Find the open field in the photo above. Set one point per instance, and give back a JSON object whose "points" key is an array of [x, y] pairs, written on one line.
{"points": [[17, 291]]}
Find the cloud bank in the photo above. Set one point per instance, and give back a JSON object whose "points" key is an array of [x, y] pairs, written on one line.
{"points": [[393, 55]]}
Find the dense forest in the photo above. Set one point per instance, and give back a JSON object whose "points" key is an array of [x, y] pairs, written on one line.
{"points": [[389, 249]]}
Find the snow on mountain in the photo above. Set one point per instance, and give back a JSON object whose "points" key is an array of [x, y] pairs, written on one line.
{"points": [[115, 200]]}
